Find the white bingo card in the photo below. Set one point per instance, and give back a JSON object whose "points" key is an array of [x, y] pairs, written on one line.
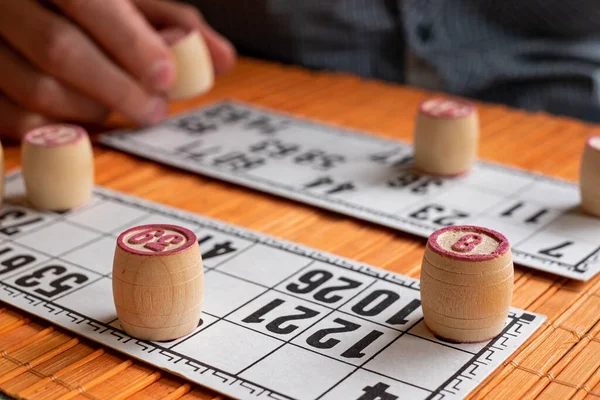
{"points": [[280, 321], [372, 178]]}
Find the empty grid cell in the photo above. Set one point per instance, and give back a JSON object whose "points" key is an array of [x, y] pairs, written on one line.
{"points": [[296, 372], [161, 138], [496, 179], [558, 195], [97, 255], [224, 294], [469, 199], [157, 218], [422, 331], [403, 360], [265, 265], [228, 347], [57, 238], [86, 301], [108, 217], [579, 226]]}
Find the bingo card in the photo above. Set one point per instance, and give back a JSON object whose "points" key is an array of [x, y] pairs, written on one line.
{"points": [[279, 321], [372, 178]]}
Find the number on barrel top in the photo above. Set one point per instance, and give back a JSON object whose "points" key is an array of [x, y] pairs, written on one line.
{"points": [[467, 242], [156, 239], [45, 275]]}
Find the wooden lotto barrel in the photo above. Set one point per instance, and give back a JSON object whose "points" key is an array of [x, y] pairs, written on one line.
{"points": [[466, 283], [446, 137], [193, 64], [589, 177], [158, 281], [57, 167]]}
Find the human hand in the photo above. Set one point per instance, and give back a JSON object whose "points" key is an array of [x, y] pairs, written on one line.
{"points": [[79, 60]]}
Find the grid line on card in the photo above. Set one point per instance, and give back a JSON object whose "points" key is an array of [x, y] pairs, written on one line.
{"points": [[441, 343], [442, 387], [212, 114], [142, 343], [324, 200], [325, 315], [185, 364], [58, 257], [275, 243], [249, 301], [361, 366]]}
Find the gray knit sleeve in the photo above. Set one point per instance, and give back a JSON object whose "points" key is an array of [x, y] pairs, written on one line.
{"points": [[551, 18]]}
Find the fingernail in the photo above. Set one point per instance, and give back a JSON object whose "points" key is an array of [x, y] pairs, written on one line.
{"points": [[157, 111], [161, 75]]}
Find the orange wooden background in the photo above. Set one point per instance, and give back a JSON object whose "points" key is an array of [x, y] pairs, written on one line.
{"points": [[561, 361]]}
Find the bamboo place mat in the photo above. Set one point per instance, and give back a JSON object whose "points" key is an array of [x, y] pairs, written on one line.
{"points": [[561, 361]]}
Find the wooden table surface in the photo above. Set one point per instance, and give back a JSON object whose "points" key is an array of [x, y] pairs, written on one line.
{"points": [[561, 361]]}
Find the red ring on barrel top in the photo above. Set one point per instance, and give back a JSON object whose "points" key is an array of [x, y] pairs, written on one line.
{"points": [[594, 142], [187, 234], [447, 113], [80, 133], [502, 248]]}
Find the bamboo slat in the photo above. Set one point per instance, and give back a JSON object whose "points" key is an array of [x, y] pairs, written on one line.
{"points": [[39, 361]]}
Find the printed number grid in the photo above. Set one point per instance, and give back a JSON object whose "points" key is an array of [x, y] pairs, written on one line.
{"points": [[372, 178], [288, 325]]}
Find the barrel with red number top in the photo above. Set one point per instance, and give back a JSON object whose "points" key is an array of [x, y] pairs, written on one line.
{"points": [[58, 167], [446, 137], [466, 283], [158, 281]]}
